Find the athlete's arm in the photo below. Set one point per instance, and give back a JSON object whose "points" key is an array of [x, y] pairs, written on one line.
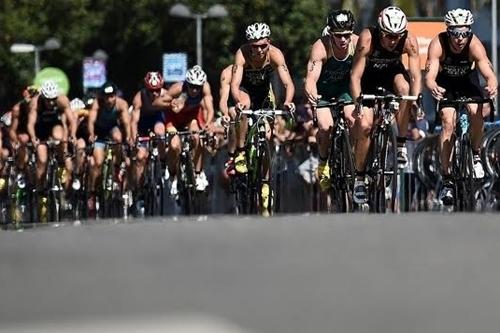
{"points": [[32, 117], [411, 48], [92, 119], [239, 62], [122, 107], [478, 54], [225, 90], [71, 120], [136, 114], [314, 65], [279, 62], [361, 55], [208, 103], [163, 101], [14, 123], [434, 53]]}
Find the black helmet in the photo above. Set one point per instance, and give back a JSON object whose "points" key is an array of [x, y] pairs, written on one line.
{"points": [[109, 88], [340, 20]]}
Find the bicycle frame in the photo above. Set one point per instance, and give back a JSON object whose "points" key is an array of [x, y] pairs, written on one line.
{"points": [[462, 154], [258, 151], [382, 159]]}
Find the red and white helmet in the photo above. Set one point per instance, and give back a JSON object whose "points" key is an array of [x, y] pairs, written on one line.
{"points": [[392, 20], [458, 17], [153, 80], [257, 31], [196, 76]]}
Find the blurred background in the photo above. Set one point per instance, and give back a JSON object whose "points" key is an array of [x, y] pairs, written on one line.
{"points": [[130, 37]]}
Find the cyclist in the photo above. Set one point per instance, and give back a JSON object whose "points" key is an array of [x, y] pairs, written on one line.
{"points": [[254, 64], [81, 109], [377, 63], [328, 75], [147, 118], [108, 117], [5, 146], [50, 117], [227, 107], [453, 61], [18, 131], [191, 107]]}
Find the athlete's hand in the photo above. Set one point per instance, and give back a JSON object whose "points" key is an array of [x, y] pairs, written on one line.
{"points": [[92, 138], [241, 107], [491, 91], [313, 100], [289, 107], [225, 120], [438, 92]]}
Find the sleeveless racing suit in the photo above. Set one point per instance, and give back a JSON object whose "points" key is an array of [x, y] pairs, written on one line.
{"points": [[48, 116], [335, 76], [150, 115], [107, 119], [383, 65], [257, 84], [457, 73], [192, 109]]}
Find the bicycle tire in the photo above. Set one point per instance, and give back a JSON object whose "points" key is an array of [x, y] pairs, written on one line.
{"points": [[385, 171], [342, 172], [263, 153]]}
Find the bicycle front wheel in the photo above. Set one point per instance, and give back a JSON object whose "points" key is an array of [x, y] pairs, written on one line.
{"points": [[385, 183]]}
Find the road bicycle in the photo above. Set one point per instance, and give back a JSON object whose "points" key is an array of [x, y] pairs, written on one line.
{"points": [[340, 157], [382, 167], [462, 162]]}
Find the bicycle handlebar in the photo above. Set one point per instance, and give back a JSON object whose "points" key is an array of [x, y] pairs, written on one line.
{"points": [[264, 112], [466, 100], [389, 97]]}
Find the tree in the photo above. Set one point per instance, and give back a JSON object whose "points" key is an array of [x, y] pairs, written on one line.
{"points": [[136, 33]]}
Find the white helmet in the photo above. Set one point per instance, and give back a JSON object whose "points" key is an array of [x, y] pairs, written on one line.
{"points": [[49, 89], [196, 76], [392, 20], [257, 31], [325, 32], [458, 17], [76, 104]]}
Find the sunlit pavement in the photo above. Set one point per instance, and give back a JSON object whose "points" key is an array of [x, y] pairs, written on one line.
{"points": [[301, 273]]}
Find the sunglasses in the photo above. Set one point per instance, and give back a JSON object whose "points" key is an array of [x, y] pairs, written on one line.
{"points": [[193, 86], [342, 35], [156, 91], [259, 46], [391, 36], [459, 34]]}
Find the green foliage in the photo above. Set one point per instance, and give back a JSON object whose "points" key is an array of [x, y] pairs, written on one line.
{"points": [[135, 34]]}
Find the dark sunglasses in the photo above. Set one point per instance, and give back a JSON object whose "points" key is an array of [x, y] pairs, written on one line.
{"points": [[156, 91], [459, 34], [193, 86], [391, 36], [342, 35], [259, 46]]}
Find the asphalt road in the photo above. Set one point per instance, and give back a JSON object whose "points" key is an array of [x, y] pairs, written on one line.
{"points": [[304, 273]]}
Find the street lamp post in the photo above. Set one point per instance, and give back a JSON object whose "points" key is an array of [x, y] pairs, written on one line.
{"points": [[215, 11], [50, 44]]}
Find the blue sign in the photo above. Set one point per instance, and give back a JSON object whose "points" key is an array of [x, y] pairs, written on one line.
{"points": [[94, 73], [174, 67]]}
